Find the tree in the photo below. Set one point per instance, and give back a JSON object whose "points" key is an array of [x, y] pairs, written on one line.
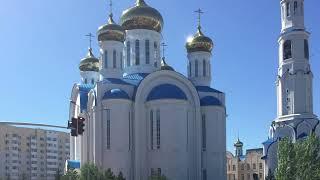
{"points": [[157, 177], [71, 175], [89, 172], [300, 160], [108, 175], [120, 176]]}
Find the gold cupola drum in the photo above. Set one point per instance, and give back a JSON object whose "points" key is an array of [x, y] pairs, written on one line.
{"points": [[142, 16]]}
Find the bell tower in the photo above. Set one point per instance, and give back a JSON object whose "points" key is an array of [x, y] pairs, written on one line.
{"points": [[294, 83]]}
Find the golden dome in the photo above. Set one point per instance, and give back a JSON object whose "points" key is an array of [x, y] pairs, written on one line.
{"points": [[142, 16], [89, 63], [199, 42], [111, 31]]}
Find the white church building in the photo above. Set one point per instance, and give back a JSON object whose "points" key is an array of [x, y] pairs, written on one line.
{"points": [[295, 117], [141, 116]]}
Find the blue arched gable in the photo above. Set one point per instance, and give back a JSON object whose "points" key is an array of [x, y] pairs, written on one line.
{"points": [[84, 89], [166, 91], [116, 94], [210, 101]]}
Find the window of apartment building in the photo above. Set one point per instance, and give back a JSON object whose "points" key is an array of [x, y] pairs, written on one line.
{"points": [[242, 176], [248, 166], [260, 165], [254, 165], [248, 176], [242, 167], [233, 167]]}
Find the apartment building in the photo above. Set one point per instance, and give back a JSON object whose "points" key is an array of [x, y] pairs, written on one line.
{"points": [[32, 154]]}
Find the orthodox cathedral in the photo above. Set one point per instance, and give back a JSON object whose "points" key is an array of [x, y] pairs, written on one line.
{"points": [[295, 117], [142, 118]]}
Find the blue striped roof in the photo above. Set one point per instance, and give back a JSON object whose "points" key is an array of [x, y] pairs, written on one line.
{"points": [[84, 89], [116, 94], [135, 79], [114, 81], [73, 164], [210, 101], [166, 91], [207, 89]]}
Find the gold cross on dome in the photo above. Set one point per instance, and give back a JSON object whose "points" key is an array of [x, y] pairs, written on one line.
{"points": [[90, 39], [200, 12]]}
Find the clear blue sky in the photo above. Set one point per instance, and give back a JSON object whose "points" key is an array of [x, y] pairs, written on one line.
{"points": [[42, 42]]}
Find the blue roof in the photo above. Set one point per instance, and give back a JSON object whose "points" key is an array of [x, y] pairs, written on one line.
{"points": [[166, 91], [116, 94], [74, 164], [135, 79], [302, 135], [84, 89], [210, 101], [267, 142], [114, 81], [207, 89]]}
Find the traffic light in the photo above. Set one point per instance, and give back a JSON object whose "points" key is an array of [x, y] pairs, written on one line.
{"points": [[73, 126], [81, 125]]}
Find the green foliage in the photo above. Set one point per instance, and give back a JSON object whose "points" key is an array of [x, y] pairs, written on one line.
{"points": [[92, 172], [300, 160], [89, 171], [71, 175], [157, 177]]}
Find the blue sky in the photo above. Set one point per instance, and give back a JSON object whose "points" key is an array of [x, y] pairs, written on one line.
{"points": [[42, 42]]}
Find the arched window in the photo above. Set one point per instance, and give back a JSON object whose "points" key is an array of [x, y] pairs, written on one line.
{"points": [[114, 59], [151, 129], [108, 128], [85, 81], [137, 48], [190, 69], [306, 49], [158, 128], [204, 67], [128, 53], [295, 7], [155, 47], [288, 9], [196, 68], [204, 133], [121, 60], [287, 52], [92, 81], [147, 46], [105, 59]]}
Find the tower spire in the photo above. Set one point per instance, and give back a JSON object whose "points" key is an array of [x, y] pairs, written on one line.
{"points": [[199, 12], [90, 36], [110, 6], [110, 20], [141, 3]]}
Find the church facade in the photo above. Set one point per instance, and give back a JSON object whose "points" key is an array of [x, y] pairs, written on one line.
{"points": [[295, 117], [142, 118]]}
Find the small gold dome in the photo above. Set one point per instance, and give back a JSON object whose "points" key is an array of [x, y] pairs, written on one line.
{"points": [[199, 42], [238, 143], [89, 63], [111, 31], [165, 66], [142, 16]]}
